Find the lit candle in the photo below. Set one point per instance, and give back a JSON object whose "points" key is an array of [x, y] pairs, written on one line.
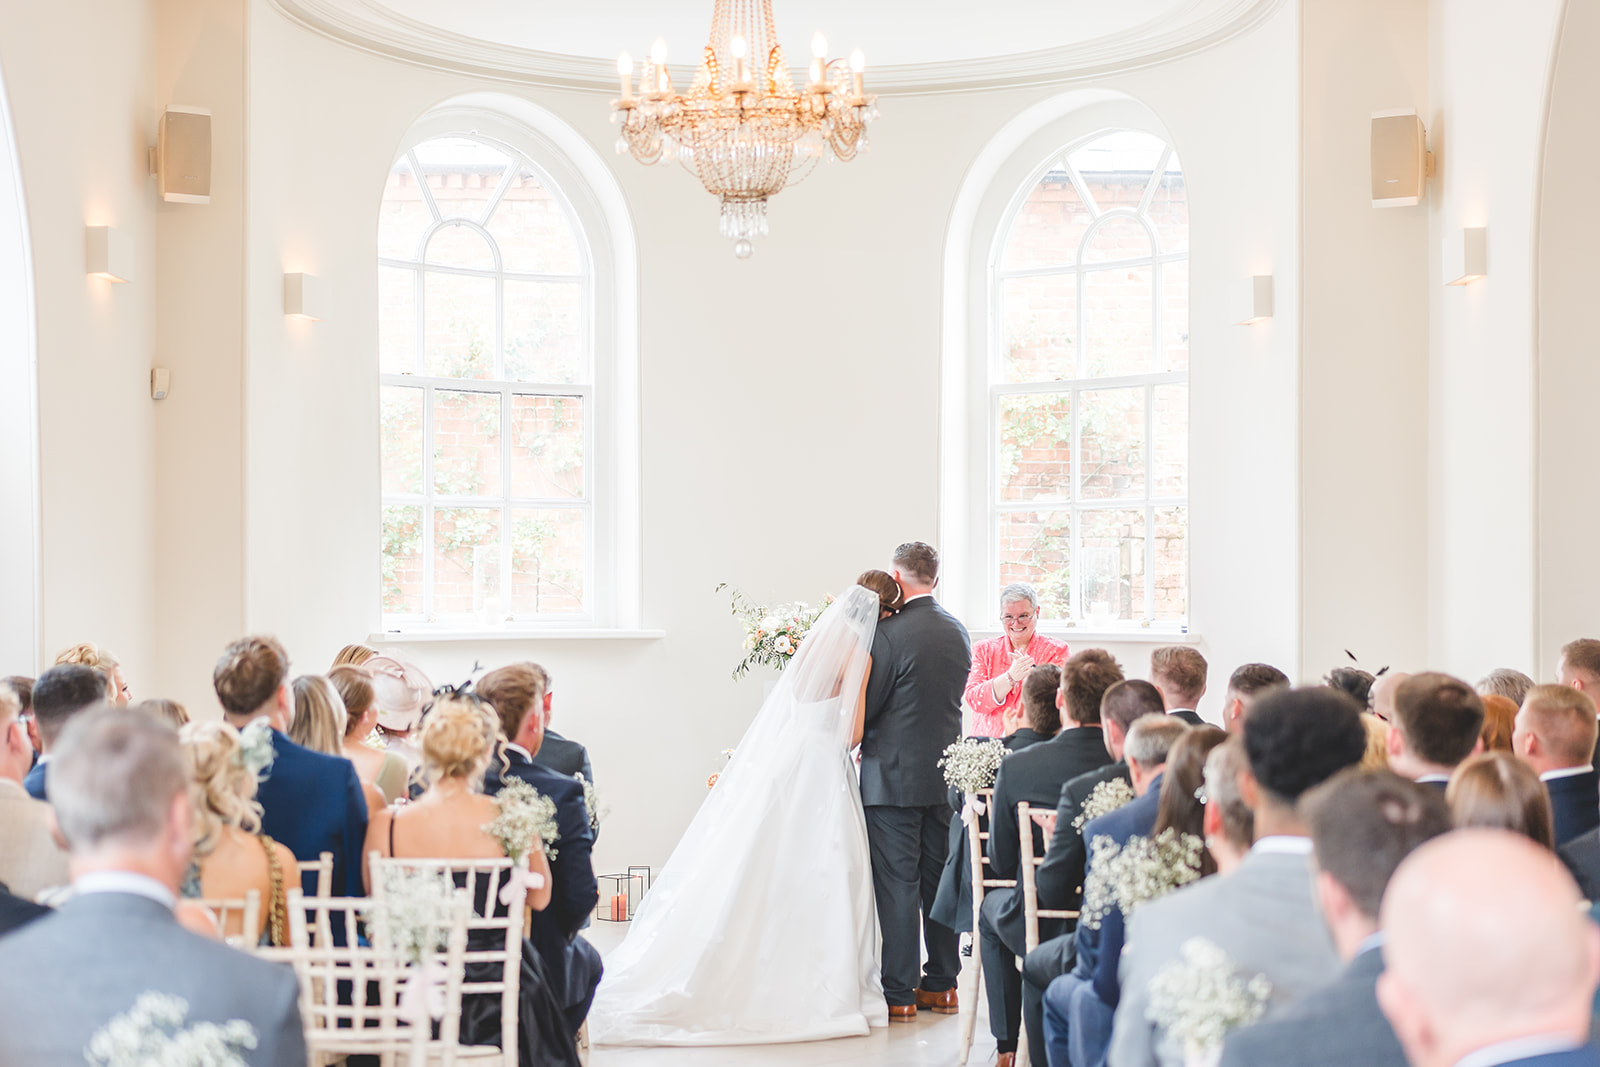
{"points": [[816, 75], [858, 63], [658, 56], [740, 48], [625, 71]]}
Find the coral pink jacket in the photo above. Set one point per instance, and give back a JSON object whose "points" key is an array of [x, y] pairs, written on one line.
{"points": [[990, 660]]}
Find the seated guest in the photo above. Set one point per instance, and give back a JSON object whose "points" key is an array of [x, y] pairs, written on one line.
{"points": [[1436, 723], [1555, 734], [1229, 824], [1245, 685], [1505, 682], [1496, 789], [231, 855], [59, 694], [1579, 667], [320, 722], [1180, 673], [557, 752], [1035, 775], [101, 659], [1363, 824], [122, 800], [999, 665], [1499, 722], [1466, 982], [1059, 879], [310, 801], [22, 686], [30, 860], [400, 690], [384, 770], [17, 912], [1077, 1014], [1038, 714], [170, 712], [1383, 694], [353, 656], [1377, 757], [1263, 915], [572, 963], [1352, 680]]}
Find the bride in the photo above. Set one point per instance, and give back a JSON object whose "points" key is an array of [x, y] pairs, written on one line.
{"points": [[761, 928]]}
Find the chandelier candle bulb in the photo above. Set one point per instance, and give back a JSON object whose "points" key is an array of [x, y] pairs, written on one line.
{"points": [[858, 64], [741, 71], [625, 71], [819, 45], [817, 81]]}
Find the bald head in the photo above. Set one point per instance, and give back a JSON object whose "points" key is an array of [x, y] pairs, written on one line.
{"points": [[1383, 694], [1465, 970]]}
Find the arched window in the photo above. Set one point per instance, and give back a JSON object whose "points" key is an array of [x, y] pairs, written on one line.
{"points": [[1088, 376], [486, 346]]}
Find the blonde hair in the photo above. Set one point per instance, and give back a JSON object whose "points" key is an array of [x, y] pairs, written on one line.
{"points": [[221, 790], [459, 736], [354, 686], [169, 711], [1376, 757], [353, 655], [89, 654], [1563, 719], [319, 715]]}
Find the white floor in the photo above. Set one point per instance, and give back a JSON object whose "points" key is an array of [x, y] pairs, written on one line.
{"points": [[928, 1042]]}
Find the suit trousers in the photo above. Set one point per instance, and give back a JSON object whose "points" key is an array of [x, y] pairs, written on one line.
{"points": [[908, 847], [1012, 1002]]}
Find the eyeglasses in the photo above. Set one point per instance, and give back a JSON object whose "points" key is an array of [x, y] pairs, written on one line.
{"points": [[1009, 619]]}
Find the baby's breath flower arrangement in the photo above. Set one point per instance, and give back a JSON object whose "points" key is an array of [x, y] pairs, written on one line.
{"points": [[1136, 873], [772, 635], [413, 915], [255, 748], [526, 816], [972, 765], [149, 1033], [1103, 799], [591, 802], [1198, 998]]}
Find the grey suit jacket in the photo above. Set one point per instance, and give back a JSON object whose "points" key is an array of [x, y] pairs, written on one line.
{"points": [[1263, 915], [1334, 1026], [920, 660], [65, 976]]}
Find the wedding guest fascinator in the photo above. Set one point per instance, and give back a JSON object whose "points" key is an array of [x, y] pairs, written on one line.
{"points": [[400, 690]]}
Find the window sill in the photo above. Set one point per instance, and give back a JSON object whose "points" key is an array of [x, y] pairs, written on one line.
{"points": [[407, 637], [1078, 635]]}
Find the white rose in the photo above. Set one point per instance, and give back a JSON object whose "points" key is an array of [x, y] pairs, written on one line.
{"points": [[771, 623], [783, 645]]}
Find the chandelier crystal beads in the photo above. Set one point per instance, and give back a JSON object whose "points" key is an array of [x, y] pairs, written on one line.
{"points": [[743, 128]]}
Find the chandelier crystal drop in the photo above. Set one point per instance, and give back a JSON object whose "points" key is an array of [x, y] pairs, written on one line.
{"points": [[743, 128]]}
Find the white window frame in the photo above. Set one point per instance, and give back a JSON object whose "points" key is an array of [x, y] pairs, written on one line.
{"points": [[998, 389]]}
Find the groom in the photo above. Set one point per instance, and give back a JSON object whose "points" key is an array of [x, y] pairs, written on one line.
{"points": [[920, 659]]}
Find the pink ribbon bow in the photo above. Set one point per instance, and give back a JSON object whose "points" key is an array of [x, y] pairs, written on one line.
{"points": [[971, 809], [423, 998], [519, 882]]}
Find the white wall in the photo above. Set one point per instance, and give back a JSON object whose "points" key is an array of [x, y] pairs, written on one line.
{"points": [[19, 438]]}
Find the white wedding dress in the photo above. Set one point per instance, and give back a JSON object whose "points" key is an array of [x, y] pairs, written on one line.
{"points": [[761, 927]]}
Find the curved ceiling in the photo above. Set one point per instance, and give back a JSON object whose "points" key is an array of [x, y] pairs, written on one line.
{"points": [[929, 46]]}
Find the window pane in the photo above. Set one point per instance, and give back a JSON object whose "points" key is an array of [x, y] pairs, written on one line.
{"points": [[1118, 321], [1034, 548], [454, 245], [402, 439], [462, 174], [544, 332], [1172, 563], [547, 446], [533, 231], [466, 562], [1120, 238], [1036, 447], [1112, 565], [397, 321], [1039, 328], [458, 326], [1116, 168], [1174, 355], [1111, 443], [403, 216], [402, 560], [1171, 458], [547, 548], [1169, 209], [466, 443], [1049, 226]]}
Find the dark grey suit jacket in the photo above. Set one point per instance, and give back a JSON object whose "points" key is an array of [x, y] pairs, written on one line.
{"points": [[567, 757], [1335, 1026], [1059, 879], [920, 660], [92, 959], [1575, 804], [1582, 857]]}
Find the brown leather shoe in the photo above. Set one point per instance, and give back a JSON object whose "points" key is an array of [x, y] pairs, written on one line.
{"points": [[938, 1003], [1005, 1059], [902, 1013]]}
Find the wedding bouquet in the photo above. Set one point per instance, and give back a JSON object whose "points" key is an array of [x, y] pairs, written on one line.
{"points": [[772, 635], [412, 917], [972, 765], [148, 1033], [1138, 872], [1197, 999], [526, 816], [1103, 799]]}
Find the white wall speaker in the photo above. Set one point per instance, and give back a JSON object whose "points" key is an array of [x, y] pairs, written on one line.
{"points": [[1401, 162], [183, 155]]}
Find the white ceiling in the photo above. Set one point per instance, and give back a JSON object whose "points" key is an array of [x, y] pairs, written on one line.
{"points": [[890, 32]]}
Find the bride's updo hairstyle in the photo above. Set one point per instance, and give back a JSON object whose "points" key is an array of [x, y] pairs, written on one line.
{"points": [[459, 735], [890, 596], [222, 789]]}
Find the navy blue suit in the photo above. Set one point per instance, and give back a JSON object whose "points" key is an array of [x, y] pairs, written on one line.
{"points": [[1078, 1006], [1582, 1056], [33, 782], [1575, 803], [313, 804], [572, 963]]}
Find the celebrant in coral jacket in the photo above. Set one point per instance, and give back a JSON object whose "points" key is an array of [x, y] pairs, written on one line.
{"points": [[994, 688]]}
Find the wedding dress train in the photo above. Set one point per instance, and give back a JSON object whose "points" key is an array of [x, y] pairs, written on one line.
{"points": [[761, 927]]}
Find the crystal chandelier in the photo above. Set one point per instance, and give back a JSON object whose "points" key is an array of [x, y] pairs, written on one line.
{"points": [[743, 128]]}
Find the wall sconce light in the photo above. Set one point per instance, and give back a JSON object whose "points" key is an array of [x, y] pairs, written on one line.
{"points": [[107, 254], [1254, 300], [302, 296], [1468, 262]]}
